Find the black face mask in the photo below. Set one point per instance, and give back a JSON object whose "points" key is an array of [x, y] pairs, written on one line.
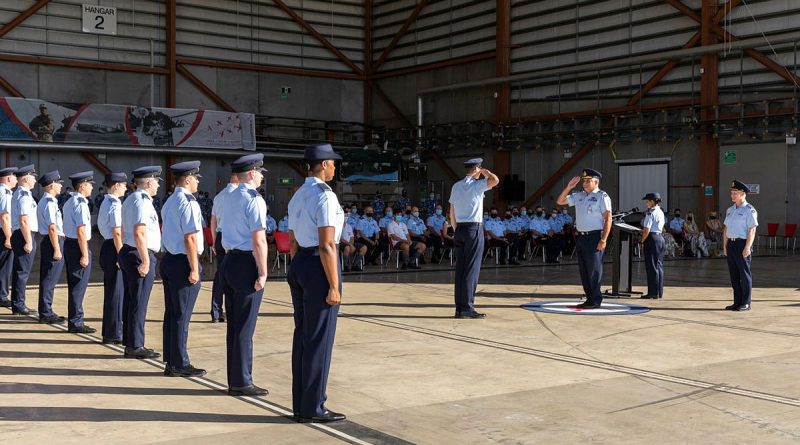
{"points": [[677, 215], [408, 212], [689, 218], [494, 215], [515, 214], [530, 212], [369, 215], [712, 217], [539, 213]]}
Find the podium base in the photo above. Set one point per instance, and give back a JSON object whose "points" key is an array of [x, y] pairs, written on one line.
{"points": [[620, 294]]}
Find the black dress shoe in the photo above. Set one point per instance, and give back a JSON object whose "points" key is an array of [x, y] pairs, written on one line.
{"points": [[251, 390], [83, 329], [141, 353], [587, 305], [731, 307], [112, 341], [222, 318], [470, 314], [743, 308], [5, 303], [189, 371], [327, 416], [650, 297], [24, 311], [53, 319]]}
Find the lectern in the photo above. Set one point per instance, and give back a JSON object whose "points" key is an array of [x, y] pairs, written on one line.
{"points": [[625, 237]]}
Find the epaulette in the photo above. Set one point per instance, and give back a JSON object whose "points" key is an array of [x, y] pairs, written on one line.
{"points": [[252, 193], [80, 199], [190, 197], [24, 192], [324, 187]]}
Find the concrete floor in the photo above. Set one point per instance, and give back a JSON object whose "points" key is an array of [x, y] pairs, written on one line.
{"points": [[405, 371]]}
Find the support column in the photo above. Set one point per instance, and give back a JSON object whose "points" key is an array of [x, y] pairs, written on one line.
{"points": [[171, 54], [502, 159], [367, 69], [708, 168]]}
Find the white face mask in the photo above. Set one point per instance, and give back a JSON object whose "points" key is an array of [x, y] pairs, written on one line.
{"points": [[432, 196], [416, 214]]}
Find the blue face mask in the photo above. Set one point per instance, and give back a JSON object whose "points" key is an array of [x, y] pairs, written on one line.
{"points": [[399, 217], [389, 214], [438, 211]]}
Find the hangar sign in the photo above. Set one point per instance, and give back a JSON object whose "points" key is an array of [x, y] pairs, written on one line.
{"points": [[99, 19]]}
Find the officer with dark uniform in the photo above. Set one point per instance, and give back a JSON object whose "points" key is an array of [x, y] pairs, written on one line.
{"points": [[653, 241], [593, 223], [141, 240], [244, 270], [466, 217], [77, 255], [51, 259], [741, 221], [180, 267], [315, 226], [7, 182], [217, 292], [109, 223], [24, 224]]}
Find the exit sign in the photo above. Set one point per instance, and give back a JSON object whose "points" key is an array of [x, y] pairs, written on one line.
{"points": [[285, 181]]}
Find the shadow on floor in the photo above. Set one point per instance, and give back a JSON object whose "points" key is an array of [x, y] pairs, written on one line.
{"points": [[36, 341], [79, 414], [58, 355], [39, 388], [31, 370]]}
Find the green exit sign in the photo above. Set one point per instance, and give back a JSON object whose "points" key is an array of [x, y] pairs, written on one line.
{"points": [[285, 181]]}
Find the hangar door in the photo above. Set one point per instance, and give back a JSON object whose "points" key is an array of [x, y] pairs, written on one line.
{"points": [[638, 177]]}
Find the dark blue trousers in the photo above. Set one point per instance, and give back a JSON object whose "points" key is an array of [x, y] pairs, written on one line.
{"points": [[242, 302], [49, 273], [217, 291], [590, 264], [136, 295], [6, 263], [77, 280], [23, 262], [179, 299], [739, 268], [468, 241], [654, 264], [314, 331], [113, 291]]}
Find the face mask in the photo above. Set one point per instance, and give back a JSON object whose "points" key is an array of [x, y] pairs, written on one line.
{"points": [[712, 217], [408, 212], [416, 214], [564, 211], [485, 215], [369, 215], [432, 196], [554, 215], [353, 211], [530, 212], [494, 215], [438, 211], [539, 213], [399, 217], [689, 218], [389, 214], [677, 215], [515, 214]]}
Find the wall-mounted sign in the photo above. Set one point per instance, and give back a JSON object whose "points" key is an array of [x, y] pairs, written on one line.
{"points": [[99, 19], [729, 157], [754, 188], [709, 191], [285, 181], [285, 92]]}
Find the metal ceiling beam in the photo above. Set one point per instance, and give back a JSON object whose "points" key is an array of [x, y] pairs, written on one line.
{"points": [[10, 88], [81, 64], [502, 62], [270, 69], [205, 89], [437, 158], [8, 27], [300, 21], [95, 162], [139, 149], [434, 66], [399, 35]]}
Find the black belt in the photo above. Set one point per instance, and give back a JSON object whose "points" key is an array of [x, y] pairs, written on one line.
{"points": [[468, 224], [238, 252], [591, 232], [656, 233], [737, 239], [312, 250], [135, 248]]}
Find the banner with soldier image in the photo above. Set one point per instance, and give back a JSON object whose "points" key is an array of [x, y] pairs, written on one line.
{"points": [[37, 120]]}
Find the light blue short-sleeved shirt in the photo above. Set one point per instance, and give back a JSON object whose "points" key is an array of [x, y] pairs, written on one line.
{"points": [[556, 224], [385, 221], [368, 227], [512, 225], [496, 226], [314, 206], [654, 219], [540, 225], [138, 209], [47, 213], [676, 224], [77, 216], [415, 225], [589, 209], [181, 216], [219, 200], [467, 197], [283, 224], [739, 220], [436, 222], [5, 199], [245, 212], [22, 203], [271, 224], [109, 216]]}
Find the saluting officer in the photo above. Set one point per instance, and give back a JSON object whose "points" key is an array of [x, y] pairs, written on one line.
{"points": [[24, 224], [593, 222], [7, 182], [741, 221], [466, 217], [180, 267], [51, 258], [217, 291], [653, 240], [244, 270], [77, 255], [109, 223], [141, 240], [315, 280]]}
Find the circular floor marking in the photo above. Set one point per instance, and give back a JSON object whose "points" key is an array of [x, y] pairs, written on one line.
{"points": [[570, 308]]}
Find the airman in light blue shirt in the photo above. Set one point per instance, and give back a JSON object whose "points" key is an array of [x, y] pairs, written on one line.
{"points": [[415, 225], [368, 227], [23, 204], [283, 225], [538, 226], [314, 205], [219, 202], [740, 219], [436, 222], [47, 213], [182, 216], [245, 212], [654, 219], [467, 198], [271, 224], [138, 209], [77, 215], [589, 207]]}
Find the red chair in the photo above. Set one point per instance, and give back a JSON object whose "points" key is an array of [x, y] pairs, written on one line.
{"points": [[283, 243], [209, 240], [789, 231], [772, 234]]}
